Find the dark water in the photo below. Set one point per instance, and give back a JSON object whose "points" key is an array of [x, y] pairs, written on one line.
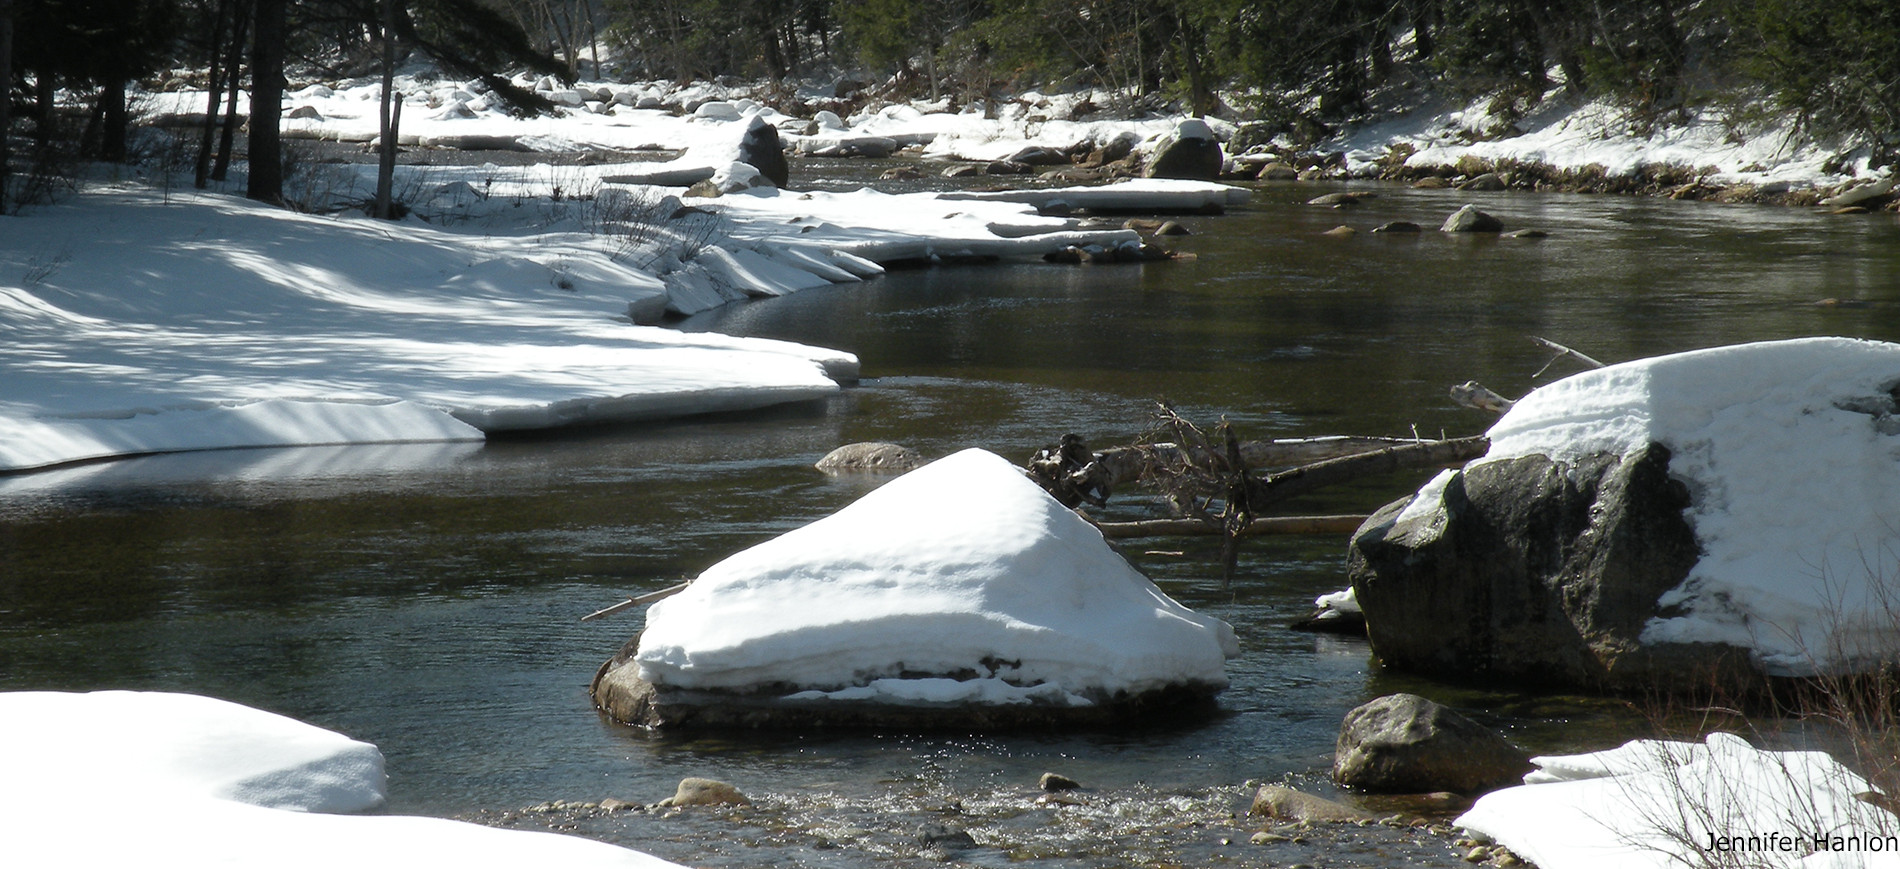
{"points": [[425, 598]]}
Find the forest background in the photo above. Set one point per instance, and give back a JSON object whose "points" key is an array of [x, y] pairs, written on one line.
{"points": [[1291, 68]]}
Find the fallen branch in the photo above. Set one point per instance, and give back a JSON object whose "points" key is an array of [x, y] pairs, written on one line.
{"points": [[631, 602], [1269, 526], [1562, 351], [1122, 464], [1298, 481]]}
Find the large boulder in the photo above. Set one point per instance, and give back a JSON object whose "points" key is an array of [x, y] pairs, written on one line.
{"points": [[958, 595], [1705, 518], [1404, 743], [1531, 569], [1188, 152], [762, 149]]}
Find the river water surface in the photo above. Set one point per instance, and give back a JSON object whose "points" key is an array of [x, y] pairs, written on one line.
{"points": [[425, 598]]}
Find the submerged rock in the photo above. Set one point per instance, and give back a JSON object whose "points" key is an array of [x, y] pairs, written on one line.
{"points": [[959, 595], [1404, 743]]}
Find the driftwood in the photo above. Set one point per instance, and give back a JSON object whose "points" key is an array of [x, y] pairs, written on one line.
{"points": [[631, 602], [1209, 477], [1267, 526]]}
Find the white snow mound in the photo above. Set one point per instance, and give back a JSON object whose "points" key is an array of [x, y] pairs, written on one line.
{"points": [[962, 570], [197, 781], [1791, 452], [1660, 804]]}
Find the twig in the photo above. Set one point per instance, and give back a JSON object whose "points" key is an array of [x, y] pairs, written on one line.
{"points": [[647, 598], [1562, 351]]}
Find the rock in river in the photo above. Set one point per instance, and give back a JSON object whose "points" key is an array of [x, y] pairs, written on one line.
{"points": [[958, 595], [1404, 743]]}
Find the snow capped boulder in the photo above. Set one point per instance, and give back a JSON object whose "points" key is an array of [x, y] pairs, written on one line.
{"points": [[761, 147], [1189, 152], [1717, 515], [717, 110], [959, 595]]}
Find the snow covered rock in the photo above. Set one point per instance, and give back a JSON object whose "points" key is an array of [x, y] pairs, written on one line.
{"points": [[1659, 804], [1190, 152], [1709, 515], [959, 594]]}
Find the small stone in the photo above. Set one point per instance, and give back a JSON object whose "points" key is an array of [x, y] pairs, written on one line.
{"points": [[1265, 838], [1057, 782], [613, 805], [1340, 232], [706, 792], [1398, 226], [1478, 854], [946, 837], [1526, 233]]}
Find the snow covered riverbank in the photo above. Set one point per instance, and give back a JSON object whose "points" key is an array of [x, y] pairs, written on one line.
{"points": [[206, 782]]}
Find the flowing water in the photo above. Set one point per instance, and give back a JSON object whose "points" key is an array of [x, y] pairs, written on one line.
{"points": [[425, 597]]}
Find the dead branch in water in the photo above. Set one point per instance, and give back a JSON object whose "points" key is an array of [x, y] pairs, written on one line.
{"points": [[1209, 480]]}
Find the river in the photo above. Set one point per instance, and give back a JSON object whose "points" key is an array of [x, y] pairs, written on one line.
{"points": [[425, 597]]}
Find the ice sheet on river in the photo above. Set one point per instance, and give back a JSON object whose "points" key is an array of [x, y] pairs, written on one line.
{"points": [[134, 323], [960, 582], [188, 780]]}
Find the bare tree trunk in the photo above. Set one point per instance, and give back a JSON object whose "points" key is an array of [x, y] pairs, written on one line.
{"points": [[214, 88], [6, 96], [113, 109], [234, 62], [386, 161], [267, 103]]}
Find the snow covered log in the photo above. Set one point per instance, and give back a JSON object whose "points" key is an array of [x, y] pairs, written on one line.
{"points": [[1706, 518], [958, 595]]}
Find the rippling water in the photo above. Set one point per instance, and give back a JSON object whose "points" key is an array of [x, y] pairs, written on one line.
{"points": [[425, 597]]}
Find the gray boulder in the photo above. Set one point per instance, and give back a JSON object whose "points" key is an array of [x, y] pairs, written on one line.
{"points": [[1404, 743], [1535, 572], [761, 148], [705, 792], [870, 456], [1470, 219], [1286, 804], [1189, 152], [1489, 181]]}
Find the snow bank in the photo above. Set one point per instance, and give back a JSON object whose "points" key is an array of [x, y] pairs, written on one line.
{"points": [[195, 781], [1668, 804], [1567, 134], [1791, 453], [136, 322], [958, 582]]}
